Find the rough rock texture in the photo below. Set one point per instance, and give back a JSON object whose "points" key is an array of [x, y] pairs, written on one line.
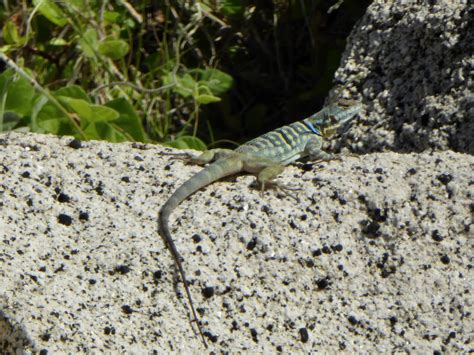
{"points": [[414, 65], [374, 255]]}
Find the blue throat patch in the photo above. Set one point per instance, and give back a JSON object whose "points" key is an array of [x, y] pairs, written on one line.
{"points": [[313, 129]]}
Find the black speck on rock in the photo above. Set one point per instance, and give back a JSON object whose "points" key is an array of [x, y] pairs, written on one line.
{"points": [[127, 309], [445, 259], [411, 171], [211, 337], [317, 252], [109, 330], [75, 144], [436, 236], [445, 178], [125, 179], [25, 174], [83, 216], [370, 228], [43, 352], [196, 238], [157, 275], [254, 334], [65, 219], [62, 197], [326, 250], [387, 271], [252, 244], [208, 292], [353, 320], [378, 215], [323, 283], [304, 336], [451, 335], [99, 189], [59, 269], [122, 269]]}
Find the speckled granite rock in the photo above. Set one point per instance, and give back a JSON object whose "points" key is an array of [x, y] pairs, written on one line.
{"points": [[375, 256], [415, 65]]}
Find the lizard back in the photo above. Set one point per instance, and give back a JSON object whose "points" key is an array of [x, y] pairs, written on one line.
{"points": [[283, 145]]}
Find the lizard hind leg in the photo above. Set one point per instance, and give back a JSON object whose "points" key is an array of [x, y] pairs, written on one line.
{"points": [[210, 155], [267, 177]]}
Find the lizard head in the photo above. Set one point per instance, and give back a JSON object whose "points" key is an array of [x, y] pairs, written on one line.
{"points": [[330, 118]]}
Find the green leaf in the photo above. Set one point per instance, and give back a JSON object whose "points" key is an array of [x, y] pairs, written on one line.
{"points": [[103, 113], [19, 93], [9, 121], [6, 48], [114, 48], [79, 106], [184, 85], [58, 42], [128, 120], [88, 43], [188, 142], [51, 125], [111, 17], [40, 101], [73, 91], [51, 120], [51, 11], [232, 7], [207, 99], [10, 33], [217, 81], [103, 131]]}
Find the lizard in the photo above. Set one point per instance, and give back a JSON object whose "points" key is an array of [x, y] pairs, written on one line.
{"points": [[266, 156]]}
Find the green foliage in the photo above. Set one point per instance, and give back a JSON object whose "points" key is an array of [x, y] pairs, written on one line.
{"points": [[168, 71], [116, 121], [51, 11], [139, 91], [114, 48], [187, 142], [203, 85]]}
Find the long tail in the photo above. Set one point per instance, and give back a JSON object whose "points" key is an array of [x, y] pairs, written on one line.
{"points": [[209, 174]]}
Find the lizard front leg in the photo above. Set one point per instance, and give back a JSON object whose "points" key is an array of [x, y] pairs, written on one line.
{"points": [[314, 151]]}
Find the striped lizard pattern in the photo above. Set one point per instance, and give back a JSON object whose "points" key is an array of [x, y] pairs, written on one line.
{"points": [[266, 156]]}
